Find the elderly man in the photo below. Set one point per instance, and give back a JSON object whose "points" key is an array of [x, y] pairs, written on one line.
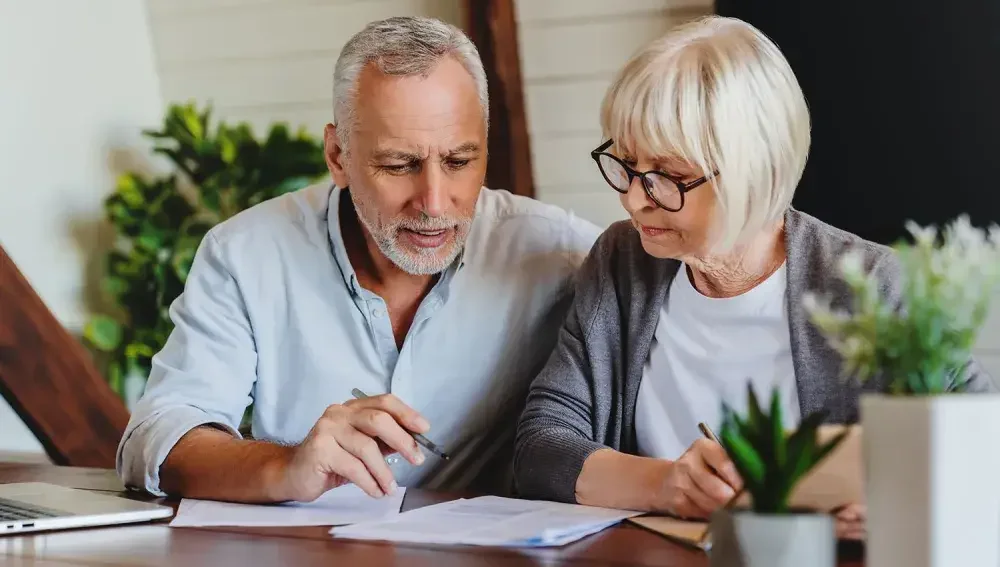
{"points": [[406, 280]]}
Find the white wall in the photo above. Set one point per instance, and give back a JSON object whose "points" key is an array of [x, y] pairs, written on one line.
{"points": [[569, 51], [266, 60], [78, 84]]}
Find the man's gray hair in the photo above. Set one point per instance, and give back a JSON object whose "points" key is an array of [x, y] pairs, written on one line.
{"points": [[400, 46]]}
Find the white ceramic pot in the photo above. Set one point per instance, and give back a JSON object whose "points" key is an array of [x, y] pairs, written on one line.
{"points": [[932, 480], [746, 539]]}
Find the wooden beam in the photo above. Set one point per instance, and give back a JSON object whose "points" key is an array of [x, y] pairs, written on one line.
{"points": [[49, 379], [492, 26]]}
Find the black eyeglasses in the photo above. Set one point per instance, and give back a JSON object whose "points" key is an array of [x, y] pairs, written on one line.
{"points": [[664, 189]]}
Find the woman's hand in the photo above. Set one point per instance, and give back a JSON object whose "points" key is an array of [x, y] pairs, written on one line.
{"points": [[700, 482], [851, 522]]}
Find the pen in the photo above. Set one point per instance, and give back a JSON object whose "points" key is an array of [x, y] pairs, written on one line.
{"points": [[707, 432], [430, 446], [710, 435]]}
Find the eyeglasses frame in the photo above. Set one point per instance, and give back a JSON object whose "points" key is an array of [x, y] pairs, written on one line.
{"points": [[682, 187]]}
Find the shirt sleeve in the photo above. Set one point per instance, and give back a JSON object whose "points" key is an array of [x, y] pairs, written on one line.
{"points": [[555, 433], [203, 375]]}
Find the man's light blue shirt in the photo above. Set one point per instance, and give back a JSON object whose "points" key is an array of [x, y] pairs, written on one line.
{"points": [[272, 313]]}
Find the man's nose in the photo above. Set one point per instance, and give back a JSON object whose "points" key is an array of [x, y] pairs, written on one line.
{"points": [[433, 199]]}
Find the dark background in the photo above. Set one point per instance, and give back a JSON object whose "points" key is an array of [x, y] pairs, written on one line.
{"points": [[905, 103]]}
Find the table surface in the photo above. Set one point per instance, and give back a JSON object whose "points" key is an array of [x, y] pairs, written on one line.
{"points": [[157, 544]]}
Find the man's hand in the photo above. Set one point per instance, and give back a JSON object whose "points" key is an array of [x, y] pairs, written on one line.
{"points": [[349, 443], [701, 481]]}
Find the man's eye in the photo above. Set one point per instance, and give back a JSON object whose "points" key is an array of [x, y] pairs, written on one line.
{"points": [[399, 169], [457, 163]]}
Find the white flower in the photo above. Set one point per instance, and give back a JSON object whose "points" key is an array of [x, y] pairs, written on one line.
{"points": [[949, 278], [851, 265], [923, 235], [810, 302]]}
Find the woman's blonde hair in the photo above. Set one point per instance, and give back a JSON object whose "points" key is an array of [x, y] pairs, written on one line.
{"points": [[718, 94]]}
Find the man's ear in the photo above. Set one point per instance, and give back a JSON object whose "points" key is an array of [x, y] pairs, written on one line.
{"points": [[335, 157]]}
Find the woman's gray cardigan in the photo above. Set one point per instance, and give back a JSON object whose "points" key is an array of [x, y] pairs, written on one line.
{"points": [[584, 399]]}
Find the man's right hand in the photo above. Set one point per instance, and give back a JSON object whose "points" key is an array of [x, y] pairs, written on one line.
{"points": [[349, 444]]}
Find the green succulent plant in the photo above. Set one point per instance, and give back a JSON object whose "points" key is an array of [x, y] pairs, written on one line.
{"points": [[160, 222], [771, 460]]}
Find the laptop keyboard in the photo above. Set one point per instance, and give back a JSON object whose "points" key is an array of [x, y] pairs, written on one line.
{"points": [[13, 510]]}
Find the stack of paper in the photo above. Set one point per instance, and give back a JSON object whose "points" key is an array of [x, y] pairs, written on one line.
{"points": [[490, 520], [343, 505]]}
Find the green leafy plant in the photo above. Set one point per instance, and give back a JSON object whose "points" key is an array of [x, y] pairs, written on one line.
{"points": [[770, 460], [922, 346], [160, 222]]}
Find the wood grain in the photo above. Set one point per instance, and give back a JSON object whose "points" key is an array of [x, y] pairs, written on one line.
{"points": [[158, 544], [492, 26], [50, 380]]}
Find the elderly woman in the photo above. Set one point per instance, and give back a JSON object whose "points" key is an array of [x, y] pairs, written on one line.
{"points": [[707, 134]]}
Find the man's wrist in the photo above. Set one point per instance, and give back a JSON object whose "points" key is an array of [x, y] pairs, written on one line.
{"points": [[274, 474]]}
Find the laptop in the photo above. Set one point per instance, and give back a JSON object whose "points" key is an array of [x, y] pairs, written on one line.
{"points": [[38, 506]]}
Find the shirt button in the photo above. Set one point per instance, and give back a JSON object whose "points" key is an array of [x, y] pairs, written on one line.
{"points": [[377, 312]]}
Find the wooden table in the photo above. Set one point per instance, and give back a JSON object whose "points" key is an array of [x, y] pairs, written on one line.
{"points": [[158, 544]]}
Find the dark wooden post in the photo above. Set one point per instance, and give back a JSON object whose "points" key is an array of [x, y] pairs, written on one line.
{"points": [[50, 380], [493, 28]]}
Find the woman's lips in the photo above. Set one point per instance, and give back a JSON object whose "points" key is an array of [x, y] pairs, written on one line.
{"points": [[650, 230]]}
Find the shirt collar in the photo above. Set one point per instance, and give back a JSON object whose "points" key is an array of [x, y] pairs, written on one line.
{"points": [[340, 250], [337, 240]]}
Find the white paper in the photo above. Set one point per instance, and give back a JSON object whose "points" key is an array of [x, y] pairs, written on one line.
{"points": [[490, 520], [346, 504]]}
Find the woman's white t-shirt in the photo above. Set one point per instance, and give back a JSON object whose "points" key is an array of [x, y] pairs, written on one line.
{"points": [[704, 351]]}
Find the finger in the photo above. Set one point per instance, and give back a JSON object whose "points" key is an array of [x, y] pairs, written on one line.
{"points": [[380, 425], [367, 451], [402, 413], [707, 483], [715, 456], [849, 530], [685, 507], [701, 503], [341, 462], [851, 513]]}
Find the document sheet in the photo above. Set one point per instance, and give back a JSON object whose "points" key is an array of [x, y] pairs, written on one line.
{"points": [[346, 504], [492, 521]]}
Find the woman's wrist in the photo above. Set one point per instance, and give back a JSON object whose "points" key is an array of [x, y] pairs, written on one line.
{"points": [[618, 480]]}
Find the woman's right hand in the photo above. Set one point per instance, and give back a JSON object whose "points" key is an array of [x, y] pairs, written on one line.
{"points": [[700, 482]]}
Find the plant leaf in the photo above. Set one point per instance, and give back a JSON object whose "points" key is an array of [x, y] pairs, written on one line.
{"points": [[755, 417], [115, 379], [748, 463], [103, 332], [292, 184], [778, 441], [828, 447]]}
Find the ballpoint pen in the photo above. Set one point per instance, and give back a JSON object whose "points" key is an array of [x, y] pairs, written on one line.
{"points": [[425, 442]]}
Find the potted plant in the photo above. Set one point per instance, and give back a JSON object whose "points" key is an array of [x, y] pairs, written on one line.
{"points": [[930, 447], [220, 170], [771, 461]]}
